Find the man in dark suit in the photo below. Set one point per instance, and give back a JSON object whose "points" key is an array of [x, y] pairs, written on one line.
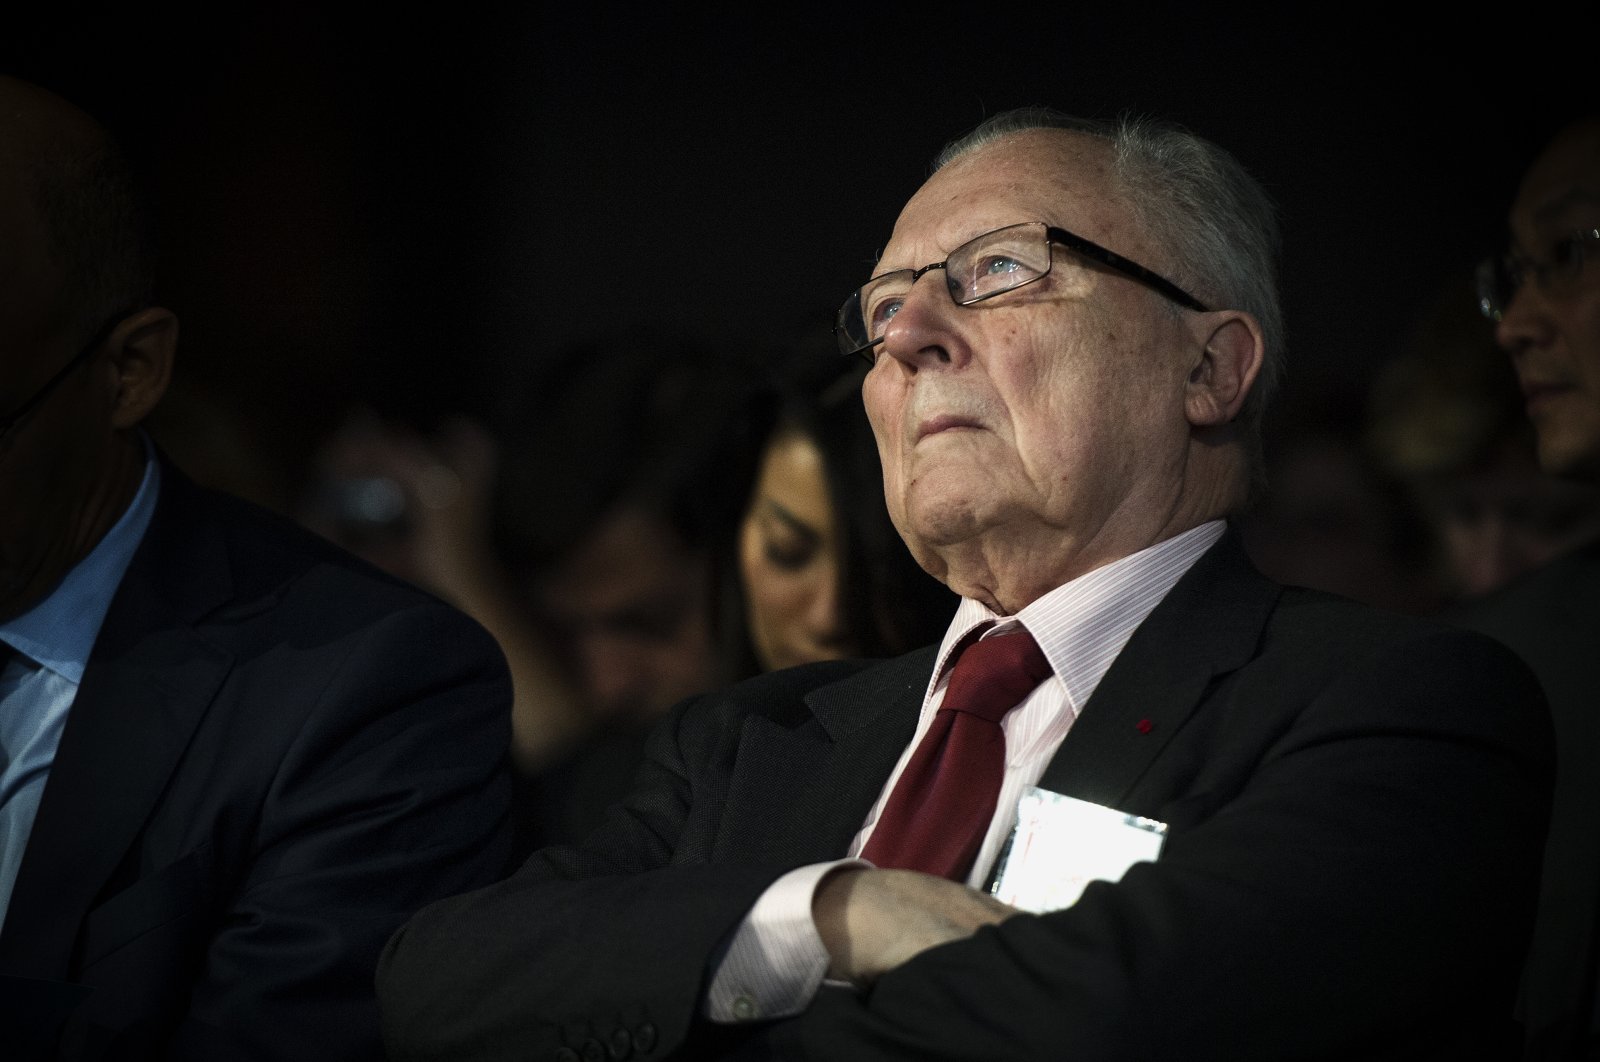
{"points": [[232, 758], [1073, 330], [1544, 297]]}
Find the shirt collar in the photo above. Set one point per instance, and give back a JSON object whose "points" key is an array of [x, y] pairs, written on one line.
{"points": [[1083, 624], [59, 632]]}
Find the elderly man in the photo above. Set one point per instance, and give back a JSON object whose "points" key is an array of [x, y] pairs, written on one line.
{"points": [[232, 758], [1545, 299], [1222, 819]]}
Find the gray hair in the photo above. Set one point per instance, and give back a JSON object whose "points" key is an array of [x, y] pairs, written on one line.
{"points": [[1197, 199]]}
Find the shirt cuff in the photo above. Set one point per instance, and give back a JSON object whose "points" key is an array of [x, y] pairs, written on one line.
{"points": [[776, 959]]}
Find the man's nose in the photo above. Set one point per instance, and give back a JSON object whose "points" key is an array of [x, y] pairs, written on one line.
{"points": [[924, 332], [1525, 322]]}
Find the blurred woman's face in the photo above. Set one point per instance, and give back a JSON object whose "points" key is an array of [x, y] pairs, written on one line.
{"points": [[789, 559]]}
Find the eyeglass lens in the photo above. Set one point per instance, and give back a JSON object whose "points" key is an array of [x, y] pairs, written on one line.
{"points": [[989, 265], [1500, 278]]}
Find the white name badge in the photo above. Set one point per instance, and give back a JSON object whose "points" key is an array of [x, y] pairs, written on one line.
{"points": [[1061, 843]]}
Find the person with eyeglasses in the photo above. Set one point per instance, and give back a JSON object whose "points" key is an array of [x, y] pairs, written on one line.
{"points": [[1138, 802], [232, 757], [1543, 297]]}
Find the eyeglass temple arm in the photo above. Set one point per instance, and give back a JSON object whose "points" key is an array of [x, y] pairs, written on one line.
{"points": [[1127, 267]]}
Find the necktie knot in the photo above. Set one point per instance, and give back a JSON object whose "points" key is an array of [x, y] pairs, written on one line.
{"points": [[994, 674]]}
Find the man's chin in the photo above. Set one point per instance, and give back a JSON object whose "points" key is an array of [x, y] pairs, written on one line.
{"points": [[941, 525], [945, 535]]}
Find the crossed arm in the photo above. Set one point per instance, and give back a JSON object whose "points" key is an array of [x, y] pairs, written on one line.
{"points": [[1325, 862]]}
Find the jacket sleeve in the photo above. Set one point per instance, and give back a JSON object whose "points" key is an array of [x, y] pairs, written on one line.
{"points": [[394, 792], [602, 947], [1350, 874]]}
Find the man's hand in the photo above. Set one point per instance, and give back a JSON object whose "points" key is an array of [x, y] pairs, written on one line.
{"points": [[873, 920]]}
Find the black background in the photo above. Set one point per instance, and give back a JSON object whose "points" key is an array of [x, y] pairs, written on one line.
{"points": [[360, 205]]}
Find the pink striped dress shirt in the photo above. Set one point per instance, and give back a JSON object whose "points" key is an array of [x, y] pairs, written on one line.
{"points": [[776, 959]]}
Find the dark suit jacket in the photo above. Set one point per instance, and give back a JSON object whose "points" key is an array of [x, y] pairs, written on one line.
{"points": [[1356, 804], [1551, 617], [276, 755]]}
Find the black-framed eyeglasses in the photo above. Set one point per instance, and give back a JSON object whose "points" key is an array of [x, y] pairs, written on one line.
{"points": [[983, 267], [9, 422], [1500, 278]]}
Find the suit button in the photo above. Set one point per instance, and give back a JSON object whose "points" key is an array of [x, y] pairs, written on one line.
{"points": [[644, 1038], [594, 1051], [621, 1045], [566, 1054]]}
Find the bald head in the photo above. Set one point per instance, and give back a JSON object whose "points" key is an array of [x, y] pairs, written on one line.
{"points": [[68, 196], [83, 357]]}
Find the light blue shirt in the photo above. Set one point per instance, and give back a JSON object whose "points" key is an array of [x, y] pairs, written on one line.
{"points": [[38, 687]]}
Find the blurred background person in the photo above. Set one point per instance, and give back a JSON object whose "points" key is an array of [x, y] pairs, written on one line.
{"points": [[1446, 420], [823, 573], [670, 520], [1542, 296], [613, 496], [579, 522], [1331, 518], [1430, 494]]}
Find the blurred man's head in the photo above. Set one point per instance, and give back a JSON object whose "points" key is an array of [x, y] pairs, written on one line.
{"points": [[617, 489], [83, 357]]}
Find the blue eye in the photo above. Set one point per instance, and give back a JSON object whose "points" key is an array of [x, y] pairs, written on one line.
{"points": [[998, 265], [878, 318]]}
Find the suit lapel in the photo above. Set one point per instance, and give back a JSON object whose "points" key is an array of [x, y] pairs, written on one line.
{"points": [[799, 795], [148, 683], [1208, 625]]}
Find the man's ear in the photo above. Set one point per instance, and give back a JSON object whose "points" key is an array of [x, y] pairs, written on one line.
{"points": [[1227, 367], [141, 347]]}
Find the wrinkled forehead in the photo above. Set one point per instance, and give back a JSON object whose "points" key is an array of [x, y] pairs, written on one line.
{"points": [[1058, 176], [1562, 187]]}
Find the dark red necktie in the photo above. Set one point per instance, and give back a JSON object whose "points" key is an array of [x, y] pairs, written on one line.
{"points": [[941, 806]]}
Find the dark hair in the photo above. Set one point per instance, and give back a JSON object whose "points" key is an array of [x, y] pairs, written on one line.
{"points": [[890, 605], [638, 420]]}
